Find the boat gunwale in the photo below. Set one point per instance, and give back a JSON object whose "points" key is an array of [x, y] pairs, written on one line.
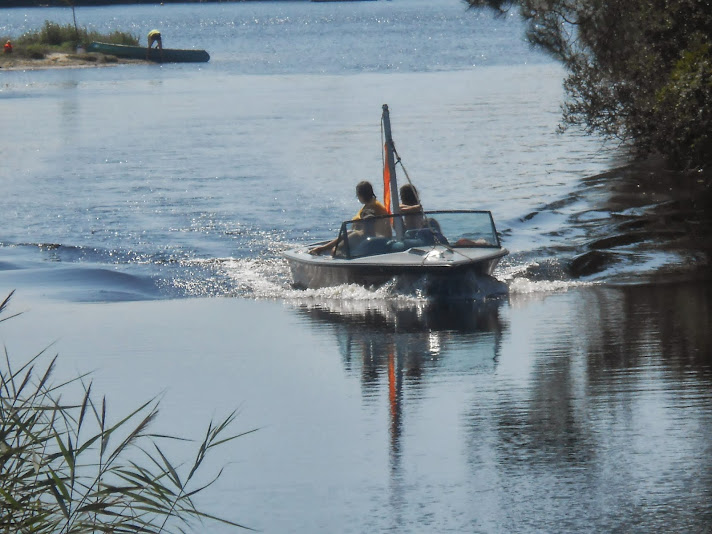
{"points": [[305, 258], [350, 260]]}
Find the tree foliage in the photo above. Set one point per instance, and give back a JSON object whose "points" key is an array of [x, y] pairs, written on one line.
{"points": [[639, 70]]}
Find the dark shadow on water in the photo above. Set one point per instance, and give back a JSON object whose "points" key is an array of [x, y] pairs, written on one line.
{"points": [[636, 224], [659, 218]]}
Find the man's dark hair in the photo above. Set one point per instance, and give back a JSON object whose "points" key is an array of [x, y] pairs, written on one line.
{"points": [[365, 190], [409, 195]]}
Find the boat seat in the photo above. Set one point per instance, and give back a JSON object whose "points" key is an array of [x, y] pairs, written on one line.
{"points": [[372, 246], [422, 237], [396, 246], [425, 237]]}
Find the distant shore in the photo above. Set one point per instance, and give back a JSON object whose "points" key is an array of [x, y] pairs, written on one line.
{"points": [[63, 60], [86, 3]]}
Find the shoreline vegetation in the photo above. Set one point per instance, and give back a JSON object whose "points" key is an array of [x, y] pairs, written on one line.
{"points": [[72, 466], [639, 72], [62, 46]]}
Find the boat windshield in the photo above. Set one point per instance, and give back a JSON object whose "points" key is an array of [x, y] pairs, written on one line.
{"points": [[457, 229]]}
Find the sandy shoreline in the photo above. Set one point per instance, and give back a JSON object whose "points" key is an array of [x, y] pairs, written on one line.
{"points": [[64, 60]]}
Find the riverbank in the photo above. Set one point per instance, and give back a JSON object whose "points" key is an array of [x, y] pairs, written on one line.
{"points": [[56, 45], [63, 60]]}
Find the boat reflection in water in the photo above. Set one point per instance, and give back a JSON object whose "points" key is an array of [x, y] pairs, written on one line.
{"points": [[588, 410], [401, 348]]}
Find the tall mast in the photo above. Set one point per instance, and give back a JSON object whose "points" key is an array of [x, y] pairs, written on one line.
{"points": [[391, 163]]}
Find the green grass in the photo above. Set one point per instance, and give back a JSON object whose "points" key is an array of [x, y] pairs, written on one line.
{"points": [[53, 37], [68, 467]]}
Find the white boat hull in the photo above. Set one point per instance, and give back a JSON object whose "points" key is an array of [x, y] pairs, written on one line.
{"points": [[441, 266]]}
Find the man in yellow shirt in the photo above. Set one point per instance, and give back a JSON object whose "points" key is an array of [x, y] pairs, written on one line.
{"points": [[154, 36], [371, 208]]}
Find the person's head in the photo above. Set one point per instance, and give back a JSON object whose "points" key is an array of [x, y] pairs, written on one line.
{"points": [[409, 195], [364, 191]]}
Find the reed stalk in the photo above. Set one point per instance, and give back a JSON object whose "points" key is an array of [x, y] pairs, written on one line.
{"points": [[65, 469]]}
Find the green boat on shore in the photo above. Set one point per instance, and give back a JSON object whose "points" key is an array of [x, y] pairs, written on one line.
{"points": [[167, 55]]}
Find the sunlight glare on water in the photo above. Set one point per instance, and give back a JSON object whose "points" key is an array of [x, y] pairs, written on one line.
{"points": [[197, 190]]}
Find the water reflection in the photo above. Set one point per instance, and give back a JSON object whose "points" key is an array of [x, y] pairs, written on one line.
{"points": [[583, 411], [611, 423], [395, 350], [669, 323], [447, 317], [70, 116]]}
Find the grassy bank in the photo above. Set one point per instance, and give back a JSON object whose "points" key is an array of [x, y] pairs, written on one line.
{"points": [[54, 40]]}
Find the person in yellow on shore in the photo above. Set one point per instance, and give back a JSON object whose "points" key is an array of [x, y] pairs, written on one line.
{"points": [[371, 208], [154, 36], [8, 47]]}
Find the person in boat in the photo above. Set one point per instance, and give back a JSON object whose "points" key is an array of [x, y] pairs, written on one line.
{"points": [[410, 207], [412, 211], [154, 36], [371, 208], [8, 47]]}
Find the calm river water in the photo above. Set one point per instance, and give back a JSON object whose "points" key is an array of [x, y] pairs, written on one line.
{"points": [[144, 210]]}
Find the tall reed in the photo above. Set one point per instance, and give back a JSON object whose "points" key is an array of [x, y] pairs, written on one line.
{"points": [[67, 468]]}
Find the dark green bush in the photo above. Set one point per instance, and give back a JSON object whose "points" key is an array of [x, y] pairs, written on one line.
{"points": [[685, 101], [52, 34], [34, 51]]}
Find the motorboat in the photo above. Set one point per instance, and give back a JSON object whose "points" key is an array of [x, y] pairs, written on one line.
{"points": [[442, 250], [472, 250]]}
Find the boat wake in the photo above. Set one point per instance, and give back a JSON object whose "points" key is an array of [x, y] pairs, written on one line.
{"points": [[531, 277], [590, 237], [269, 278], [633, 225]]}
